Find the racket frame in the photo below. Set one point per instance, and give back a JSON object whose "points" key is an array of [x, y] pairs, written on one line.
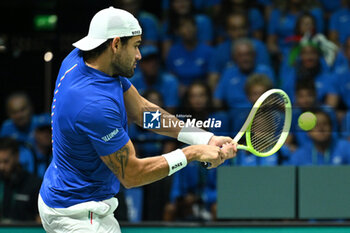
{"points": [[248, 123]]}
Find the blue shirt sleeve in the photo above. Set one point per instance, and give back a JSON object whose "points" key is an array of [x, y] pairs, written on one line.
{"points": [[204, 28], [26, 159], [101, 122], [318, 14], [273, 23], [220, 91], [262, 55], [333, 22], [256, 19], [171, 98], [126, 84], [150, 27], [216, 61]]}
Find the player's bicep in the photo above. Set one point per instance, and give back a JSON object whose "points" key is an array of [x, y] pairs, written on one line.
{"points": [[119, 161], [124, 164], [133, 104]]}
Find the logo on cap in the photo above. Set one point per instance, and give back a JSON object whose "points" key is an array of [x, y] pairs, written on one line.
{"points": [[138, 32]]}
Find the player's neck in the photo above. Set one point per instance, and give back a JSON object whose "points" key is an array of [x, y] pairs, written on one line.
{"points": [[101, 64]]}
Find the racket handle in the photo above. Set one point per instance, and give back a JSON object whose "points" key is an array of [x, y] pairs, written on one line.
{"points": [[205, 164]]}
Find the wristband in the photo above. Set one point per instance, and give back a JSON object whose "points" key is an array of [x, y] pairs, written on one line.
{"points": [[176, 161], [194, 136]]}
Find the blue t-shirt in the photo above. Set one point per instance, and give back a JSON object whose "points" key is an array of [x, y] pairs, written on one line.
{"points": [[147, 142], [345, 125], [337, 154], [189, 65], [343, 86], [256, 20], [231, 85], [330, 6], [325, 83], [204, 30], [166, 84], [301, 136], [339, 22], [9, 129], [283, 25], [222, 55], [196, 180], [150, 27], [88, 121]]}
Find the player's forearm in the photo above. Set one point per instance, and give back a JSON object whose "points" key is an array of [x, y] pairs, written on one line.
{"points": [[171, 120], [149, 170], [134, 172]]}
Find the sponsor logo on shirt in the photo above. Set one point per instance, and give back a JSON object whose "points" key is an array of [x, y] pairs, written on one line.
{"points": [[110, 135]]}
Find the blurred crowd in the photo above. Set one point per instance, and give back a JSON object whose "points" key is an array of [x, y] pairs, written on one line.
{"points": [[208, 59]]}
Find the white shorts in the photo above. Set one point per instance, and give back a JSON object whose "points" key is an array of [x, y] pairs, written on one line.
{"points": [[85, 217]]}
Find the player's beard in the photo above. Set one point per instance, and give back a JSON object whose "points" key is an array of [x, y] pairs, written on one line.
{"points": [[120, 67]]}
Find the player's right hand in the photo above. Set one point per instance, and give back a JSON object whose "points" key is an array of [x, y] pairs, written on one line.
{"points": [[214, 154]]}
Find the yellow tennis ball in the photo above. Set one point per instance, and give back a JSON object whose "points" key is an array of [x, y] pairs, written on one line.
{"points": [[307, 121]]}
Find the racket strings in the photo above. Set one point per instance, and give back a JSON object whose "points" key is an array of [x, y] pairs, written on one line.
{"points": [[268, 122]]}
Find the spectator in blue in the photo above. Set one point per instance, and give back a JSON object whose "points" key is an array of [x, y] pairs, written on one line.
{"points": [[21, 123], [149, 143], [141, 202], [305, 100], [190, 187], [308, 67], [255, 86], [343, 78], [151, 76], [188, 59], [43, 149], [343, 88], [148, 22], [230, 89], [198, 103], [330, 7], [178, 9], [236, 26], [339, 24], [325, 148], [193, 192], [342, 62], [255, 18], [345, 126], [282, 23], [305, 30]]}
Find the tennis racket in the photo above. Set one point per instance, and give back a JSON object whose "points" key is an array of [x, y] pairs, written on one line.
{"points": [[267, 125]]}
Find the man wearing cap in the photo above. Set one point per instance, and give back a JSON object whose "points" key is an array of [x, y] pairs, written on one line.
{"points": [[92, 153]]}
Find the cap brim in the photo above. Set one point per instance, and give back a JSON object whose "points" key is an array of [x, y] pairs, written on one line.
{"points": [[87, 43]]}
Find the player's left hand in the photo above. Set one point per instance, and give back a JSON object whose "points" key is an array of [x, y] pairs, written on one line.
{"points": [[230, 150]]}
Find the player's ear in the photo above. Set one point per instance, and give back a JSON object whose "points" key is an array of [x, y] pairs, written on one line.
{"points": [[116, 44]]}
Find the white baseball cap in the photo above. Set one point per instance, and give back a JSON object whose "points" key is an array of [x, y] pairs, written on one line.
{"points": [[106, 24]]}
